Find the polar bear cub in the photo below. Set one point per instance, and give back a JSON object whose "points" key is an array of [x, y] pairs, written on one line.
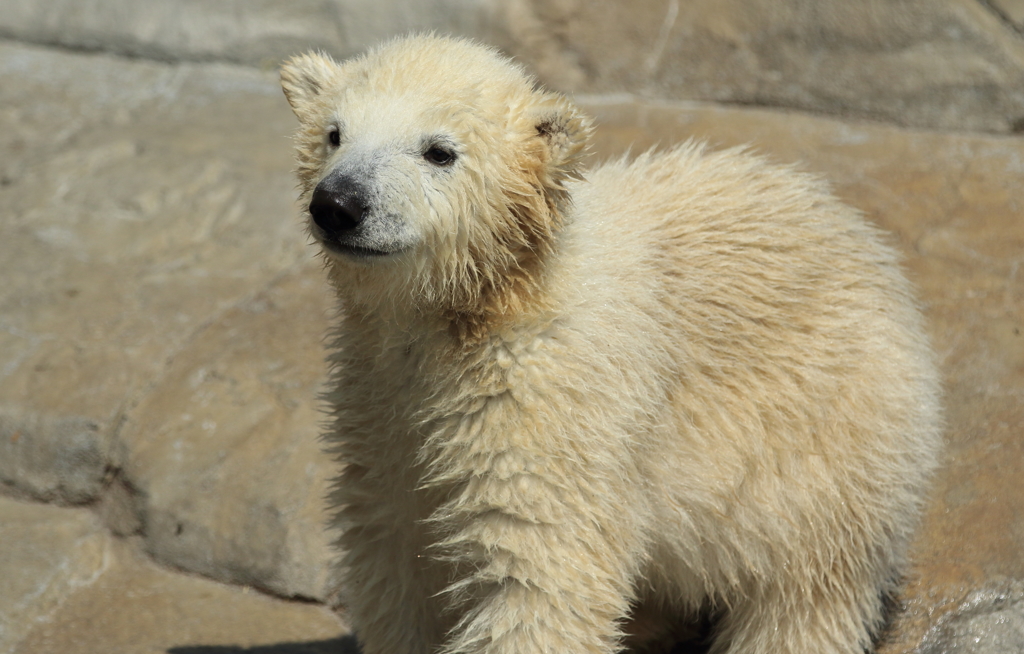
{"points": [[576, 407]]}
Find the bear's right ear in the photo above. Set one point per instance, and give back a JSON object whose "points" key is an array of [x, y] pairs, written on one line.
{"points": [[565, 132], [303, 78]]}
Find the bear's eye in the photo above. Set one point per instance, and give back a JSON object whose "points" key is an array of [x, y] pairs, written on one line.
{"points": [[439, 156], [334, 136]]}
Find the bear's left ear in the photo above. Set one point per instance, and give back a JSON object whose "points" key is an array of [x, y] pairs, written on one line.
{"points": [[303, 79], [565, 133]]}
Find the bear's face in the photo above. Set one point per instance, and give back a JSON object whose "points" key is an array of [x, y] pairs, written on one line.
{"points": [[431, 169]]}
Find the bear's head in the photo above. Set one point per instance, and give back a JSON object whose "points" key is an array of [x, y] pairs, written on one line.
{"points": [[434, 173]]}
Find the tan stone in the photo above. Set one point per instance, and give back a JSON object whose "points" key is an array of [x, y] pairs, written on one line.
{"points": [[135, 198], [46, 554], [954, 64], [1013, 10], [67, 587], [225, 450], [950, 64], [139, 225], [257, 33]]}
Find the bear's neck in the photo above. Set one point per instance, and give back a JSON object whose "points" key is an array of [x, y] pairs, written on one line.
{"points": [[520, 297], [494, 314]]}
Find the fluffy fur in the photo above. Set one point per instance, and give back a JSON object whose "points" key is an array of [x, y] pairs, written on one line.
{"points": [[573, 411]]}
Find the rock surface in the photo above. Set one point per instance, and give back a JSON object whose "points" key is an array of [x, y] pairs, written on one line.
{"points": [[48, 554], [952, 64], [1011, 11], [61, 459], [162, 315], [68, 587], [255, 33], [990, 620], [223, 446], [150, 249]]}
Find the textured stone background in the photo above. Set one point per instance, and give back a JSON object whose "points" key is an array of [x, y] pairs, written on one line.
{"points": [[161, 315]]}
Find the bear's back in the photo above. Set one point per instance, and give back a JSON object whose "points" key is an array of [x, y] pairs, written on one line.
{"points": [[785, 341]]}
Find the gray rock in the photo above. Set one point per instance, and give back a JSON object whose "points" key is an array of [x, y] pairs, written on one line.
{"points": [[990, 621], [950, 64], [53, 459], [256, 33]]}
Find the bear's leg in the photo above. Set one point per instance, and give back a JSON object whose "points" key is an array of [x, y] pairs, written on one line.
{"points": [[554, 577], [802, 616], [390, 591]]}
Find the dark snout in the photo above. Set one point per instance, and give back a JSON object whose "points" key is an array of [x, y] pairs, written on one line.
{"points": [[338, 206]]}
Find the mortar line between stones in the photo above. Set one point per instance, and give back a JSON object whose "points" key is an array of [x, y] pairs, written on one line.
{"points": [[112, 49], [1003, 17]]}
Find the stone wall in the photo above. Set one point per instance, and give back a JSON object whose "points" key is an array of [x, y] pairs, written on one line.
{"points": [[945, 64]]}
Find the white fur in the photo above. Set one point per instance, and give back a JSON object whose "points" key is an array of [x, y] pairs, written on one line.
{"points": [[572, 413]]}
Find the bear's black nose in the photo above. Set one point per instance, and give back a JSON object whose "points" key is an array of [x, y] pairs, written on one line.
{"points": [[335, 210]]}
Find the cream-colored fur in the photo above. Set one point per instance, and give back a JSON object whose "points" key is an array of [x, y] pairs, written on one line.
{"points": [[689, 382]]}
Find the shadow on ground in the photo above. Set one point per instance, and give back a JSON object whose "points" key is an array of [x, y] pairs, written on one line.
{"points": [[343, 645], [346, 645]]}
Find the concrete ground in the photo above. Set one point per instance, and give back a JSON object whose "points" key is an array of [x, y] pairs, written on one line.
{"points": [[161, 318]]}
